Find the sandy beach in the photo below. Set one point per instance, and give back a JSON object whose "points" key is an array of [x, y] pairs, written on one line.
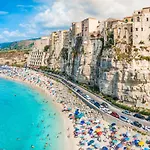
{"points": [[68, 143], [88, 132]]}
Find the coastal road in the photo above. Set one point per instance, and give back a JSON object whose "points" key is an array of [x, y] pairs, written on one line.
{"points": [[99, 99]]}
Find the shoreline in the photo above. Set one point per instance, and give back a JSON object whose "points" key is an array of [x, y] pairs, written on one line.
{"points": [[78, 132], [69, 143]]}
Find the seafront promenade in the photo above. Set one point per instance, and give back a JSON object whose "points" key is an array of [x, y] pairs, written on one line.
{"points": [[87, 128]]}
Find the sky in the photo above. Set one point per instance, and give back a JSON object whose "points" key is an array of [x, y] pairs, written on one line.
{"points": [[25, 19]]}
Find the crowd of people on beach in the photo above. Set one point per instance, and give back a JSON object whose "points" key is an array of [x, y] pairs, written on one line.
{"points": [[90, 129]]}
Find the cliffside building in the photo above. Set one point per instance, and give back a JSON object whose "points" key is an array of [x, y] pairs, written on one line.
{"points": [[89, 25], [58, 40], [141, 27], [134, 30], [37, 56]]}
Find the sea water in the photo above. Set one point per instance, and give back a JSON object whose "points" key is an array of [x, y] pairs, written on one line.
{"points": [[26, 120]]}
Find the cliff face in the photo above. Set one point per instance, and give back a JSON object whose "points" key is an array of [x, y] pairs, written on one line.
{"points": [[122, 72], [125, 74]]}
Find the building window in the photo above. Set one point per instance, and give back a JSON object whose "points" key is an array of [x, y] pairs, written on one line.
{"points": [[131, 29], [136, 29], [138, 19], [141, 29], [139, 12], [146, 19]]}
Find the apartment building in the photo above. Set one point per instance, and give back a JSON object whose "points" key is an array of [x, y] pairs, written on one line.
{"points": [[58, 40], [89, 25], [37, 56], [134, 30], [123, 31], [141, 27]]}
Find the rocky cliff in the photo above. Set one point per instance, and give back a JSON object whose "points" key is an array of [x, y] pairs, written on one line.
{"points": [[120, 71]]}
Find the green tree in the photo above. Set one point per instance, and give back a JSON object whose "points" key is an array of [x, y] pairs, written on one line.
{"points": [[46, 48]]}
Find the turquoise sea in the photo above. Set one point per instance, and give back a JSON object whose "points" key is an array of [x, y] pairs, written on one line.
{"points": [[26, 119]]}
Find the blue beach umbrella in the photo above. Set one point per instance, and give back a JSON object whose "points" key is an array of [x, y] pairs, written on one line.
{"points": [[113, 124], [119, 145], [90, 142], [114, 141], [136, 142], [89, 148], [82, 122], [104, 148], [88, 123], [146, 148], [126, 139]]}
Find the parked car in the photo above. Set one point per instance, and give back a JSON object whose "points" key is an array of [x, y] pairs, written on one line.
{"points": [[147, 128], [123, 118], [107, 110], [126, 112], [137, 124], [97, 104], [88, 97], [148, 118], [92, 101], [139, 116], [114, 114], [104, 104]]}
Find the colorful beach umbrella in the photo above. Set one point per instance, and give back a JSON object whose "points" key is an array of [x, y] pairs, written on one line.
{"points": [[141, 143], [99, 133], [98, 130]]}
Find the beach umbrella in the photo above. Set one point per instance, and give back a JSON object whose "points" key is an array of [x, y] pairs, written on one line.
{"points": [[82, 122], [98, 126], [128, 134], [119, 145], [90, 131], [89, 148], [88, 123], [97, 145], [126, 139], [146, 148], [113, 124], [141, 143], [148, 142], [97, 121], [90, 142], [136, 142], [104, 148], [82, 137], [99, 133], [98, 130], [114, 141]]}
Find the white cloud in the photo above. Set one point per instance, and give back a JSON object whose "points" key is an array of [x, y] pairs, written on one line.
{"points": [[3, 12], [3, 39], [25, 6], [58, 14], [63, 12], [15, 33]]}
